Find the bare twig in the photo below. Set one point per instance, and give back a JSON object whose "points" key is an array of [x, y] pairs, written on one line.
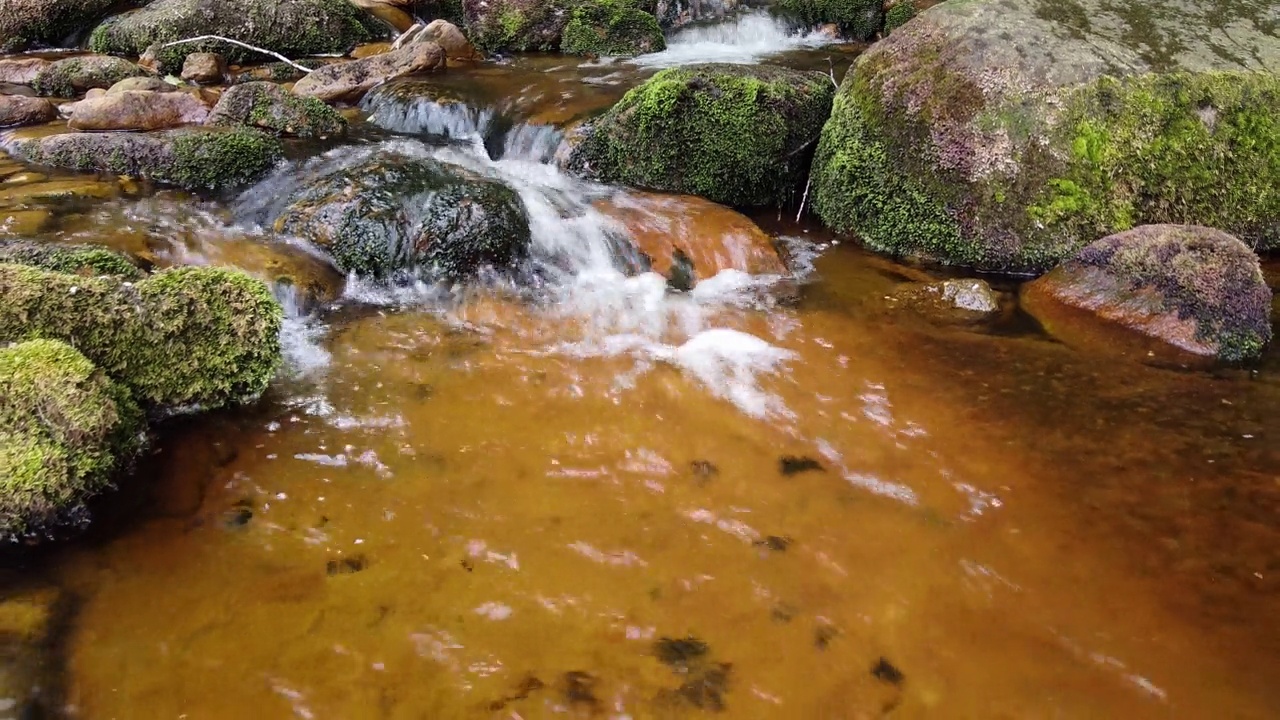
{"points": [[241, 44], [804, 197], [831, 70]]}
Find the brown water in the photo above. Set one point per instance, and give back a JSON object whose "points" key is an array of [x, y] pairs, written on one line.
{"points": [[468, 509]]}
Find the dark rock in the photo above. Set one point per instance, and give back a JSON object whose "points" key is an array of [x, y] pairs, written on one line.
{"points": [[885, 671], [346, 565], [796, 464], [48, 23], [73, 76], [578, 688], [349, 81], [18, 110], [680, 652], [270, 107], [776, 543]]}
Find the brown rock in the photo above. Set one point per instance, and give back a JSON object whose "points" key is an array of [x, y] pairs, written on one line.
{"points": [[204, 68], [135, 84], [683, 234], [20, 110], [138, 111], [21, 71], [446, 35], [347, 82]]}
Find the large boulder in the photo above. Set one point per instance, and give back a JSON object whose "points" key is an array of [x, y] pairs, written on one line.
{"points": [[190, 158], [191, 336], [856, 19], [28, 23], [516, 25], [294, 28], [349, 81], [1198, 289], [1005, 135], [133, 110], [389, 212], [74, 76], [611, 27], [16, 110], [65, 427], [738, 135], [270, 107]]}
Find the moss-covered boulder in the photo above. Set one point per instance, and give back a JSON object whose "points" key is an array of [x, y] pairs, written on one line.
{"points": [[898, 15], [88, 260], [270, 107], [389, 212], [1198, 289], [735, 134], [611, 27], [73, 76], [516, 25], [47, 23], [293, 28], [192, 336], [1007, 135], [856, 19], [65, 427], [190, 158]]}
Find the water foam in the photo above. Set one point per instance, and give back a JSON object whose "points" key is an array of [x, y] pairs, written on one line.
{"points": [[743, 39]]}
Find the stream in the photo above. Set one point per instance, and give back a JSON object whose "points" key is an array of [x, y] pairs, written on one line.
{"points": [[580, 494]]}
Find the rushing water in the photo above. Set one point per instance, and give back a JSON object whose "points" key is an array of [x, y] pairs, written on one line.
{"points": [[579, 494]]}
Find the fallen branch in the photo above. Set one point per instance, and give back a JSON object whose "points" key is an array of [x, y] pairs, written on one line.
{"points": [[804, 197], [241, 44]]}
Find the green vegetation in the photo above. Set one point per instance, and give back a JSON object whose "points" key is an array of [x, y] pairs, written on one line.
{"points": [[72, 259], [858, 19], [268, 106], [898, 15], [72, 76], [27, 23], [611, 27]]}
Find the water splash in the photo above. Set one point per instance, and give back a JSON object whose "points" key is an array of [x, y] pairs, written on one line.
{"points": [[743, 39]]}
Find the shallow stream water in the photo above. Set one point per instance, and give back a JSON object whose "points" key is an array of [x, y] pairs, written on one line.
{"points": [[587, 496]]}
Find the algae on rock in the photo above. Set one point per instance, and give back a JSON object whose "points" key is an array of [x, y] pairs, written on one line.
{"points": [[613, 28]]}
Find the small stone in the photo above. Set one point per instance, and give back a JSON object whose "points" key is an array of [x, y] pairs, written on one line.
{"points": [[204, 68], [679, 652], [796, 464]]}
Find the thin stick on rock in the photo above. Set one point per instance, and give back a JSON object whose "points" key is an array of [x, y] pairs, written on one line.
{"points": [[254, 48], [804, 197]]}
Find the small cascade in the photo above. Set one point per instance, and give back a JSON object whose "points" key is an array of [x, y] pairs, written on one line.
{"points": [[741, 39]]}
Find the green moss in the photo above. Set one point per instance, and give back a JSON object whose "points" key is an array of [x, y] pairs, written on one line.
{"points": [[73, 259], [190, 336], [858, 19], [898, 15], [47, 23], [73, 76], [734, 134], [518, 25], [64, 429], [611, 27], [268, 106]]}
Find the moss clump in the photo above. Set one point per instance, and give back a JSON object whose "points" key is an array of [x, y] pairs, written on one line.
{"points": [[73, 76], [191, 158], [183, 337], [293, 28], [268, 106], [898, 15], [64, 428], [857, 19], [496, 26], [48, 23], [737, 135], [611, 27], [87, 260]]}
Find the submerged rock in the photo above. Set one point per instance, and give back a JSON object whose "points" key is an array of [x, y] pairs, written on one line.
{"points": [[270, 107], [67, 427], [611, 27], [1198, 289], [734, 134], [88, 260], [132, 110], [293, 28], [390, 212], [947, 301], [191, 158], [204, 68], [349, 81], [179, 338], [1006, 135], [856, 19], [50, 23], [73, 76], [17, 110]]}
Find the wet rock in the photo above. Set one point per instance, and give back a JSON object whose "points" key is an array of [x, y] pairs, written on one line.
{"points": [[346, 566], [680, 652], [270, 107], [16, 110], [855, 19], [21, 71], [138, 111], [73, 76], [1198, 289], [68, 427], [448, 36], [692, 236], [885, 671], [951, 301], [204, 68], [613, 28], [293, 28], [389, 212], [734, 134], [143, 83], [280, 72], [47, 23], [796, 464], [191, 158], [674, 14], [349, 81], [515, 25], [176, 339], [1005, 136], [87, 260], [775, 543]]}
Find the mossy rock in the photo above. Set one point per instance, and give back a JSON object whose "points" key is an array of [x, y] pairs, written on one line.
{"points": [[293, 28], [516, 25], [857, 19], [613, 28], [88, 260], [738, 135], [388, 213], [191, 158], [71, 77], [47, 23], [898, 15], [193, 336], [65, 427], [1196, 288], [270, 107], [1005, 136]]}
